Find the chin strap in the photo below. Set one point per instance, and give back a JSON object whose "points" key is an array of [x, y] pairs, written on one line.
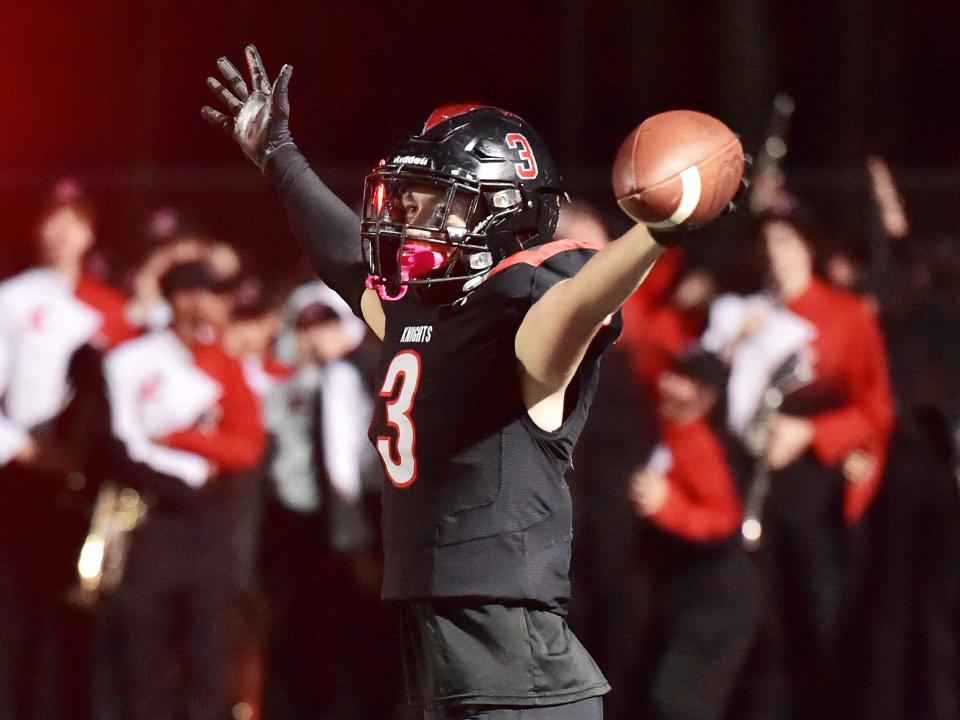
{"points": [[374, 283]]}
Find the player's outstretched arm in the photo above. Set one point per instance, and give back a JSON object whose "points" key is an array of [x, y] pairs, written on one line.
{"points": [[557, 330], [257, 117]]}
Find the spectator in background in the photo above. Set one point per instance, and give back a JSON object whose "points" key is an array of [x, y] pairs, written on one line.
{"points": [[181, 406], [708, 591], [665, 315], [55, 319], [251, 338], [826, 445], [579, 220], [318, 543], [149, 309], [252, 335]]}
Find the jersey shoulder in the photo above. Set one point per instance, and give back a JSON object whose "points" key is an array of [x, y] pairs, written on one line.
{"points": [[537, 269]]}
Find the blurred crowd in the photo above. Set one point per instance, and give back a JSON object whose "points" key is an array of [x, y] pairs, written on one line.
{"points": [[766, 494]]}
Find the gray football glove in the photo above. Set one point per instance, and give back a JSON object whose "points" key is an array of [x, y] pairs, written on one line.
{"points": [[259, 120]]}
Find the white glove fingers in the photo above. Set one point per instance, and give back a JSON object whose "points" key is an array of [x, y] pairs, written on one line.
{"points": [[258, 75], [225, 96], [215, 117], [233, 78]]}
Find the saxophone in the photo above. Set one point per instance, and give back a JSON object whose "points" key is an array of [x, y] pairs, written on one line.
{"points": [[118, 511]]}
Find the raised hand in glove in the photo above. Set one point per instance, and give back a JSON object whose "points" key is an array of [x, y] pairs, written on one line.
{"points": [[258, 119]]}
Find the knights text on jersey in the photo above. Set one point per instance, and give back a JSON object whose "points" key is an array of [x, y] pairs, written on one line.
{"points": [[476, 505]]}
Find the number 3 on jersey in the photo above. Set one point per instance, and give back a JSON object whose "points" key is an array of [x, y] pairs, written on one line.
{"points": [[397, 453]]}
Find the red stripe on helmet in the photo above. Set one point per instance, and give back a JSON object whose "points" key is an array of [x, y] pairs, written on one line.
{"points": [[445, 112]]}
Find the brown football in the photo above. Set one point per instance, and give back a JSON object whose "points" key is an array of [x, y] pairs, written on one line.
{"points": [[678, 169]]}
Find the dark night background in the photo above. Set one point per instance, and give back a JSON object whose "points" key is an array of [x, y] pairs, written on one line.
{"points": [[110, 92]]}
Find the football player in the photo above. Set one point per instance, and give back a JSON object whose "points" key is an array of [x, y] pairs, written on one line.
{"points": [[492, 334]]}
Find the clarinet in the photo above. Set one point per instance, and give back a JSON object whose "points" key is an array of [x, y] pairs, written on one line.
{"points": [[792, 375]]}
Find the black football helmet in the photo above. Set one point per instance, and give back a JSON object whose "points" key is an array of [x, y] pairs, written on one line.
{"points": [[474, 186]]}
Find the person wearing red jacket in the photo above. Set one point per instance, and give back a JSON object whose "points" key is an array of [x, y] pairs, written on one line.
{"points": [[709, 591], [845, 416], [181, 406], [826, 447], [664, 316]]}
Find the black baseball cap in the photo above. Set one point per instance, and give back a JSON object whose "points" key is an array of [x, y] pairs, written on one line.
{"points": [[195, 275], [701, 366], [316, 313]]}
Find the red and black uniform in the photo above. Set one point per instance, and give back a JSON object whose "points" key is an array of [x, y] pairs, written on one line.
{"points": [[477, 518], [476, 511], [811, 500], [849, 401]]}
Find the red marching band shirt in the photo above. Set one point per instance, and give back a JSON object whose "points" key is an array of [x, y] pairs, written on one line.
{"points": [[111, 304], [184, 411], [850, 362], [235, 441], [654, 331], [850, 358], [702, 501]]}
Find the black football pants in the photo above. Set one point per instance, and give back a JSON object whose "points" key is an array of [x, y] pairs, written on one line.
{"points": [[588, 709]]}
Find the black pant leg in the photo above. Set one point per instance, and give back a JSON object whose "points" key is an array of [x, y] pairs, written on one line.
{"points": [[713, 606], [208, 606], [13, 633], [807, 551], [143, 617]]}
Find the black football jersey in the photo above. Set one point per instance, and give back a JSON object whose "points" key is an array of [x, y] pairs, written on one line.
{"points": [[475, 504]]}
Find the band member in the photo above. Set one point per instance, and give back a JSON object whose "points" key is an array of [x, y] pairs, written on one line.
{"points": [[709, 595], [181, 406], [318, 543], [252, 337], [664, 316], [825, 447], [55, 320]]}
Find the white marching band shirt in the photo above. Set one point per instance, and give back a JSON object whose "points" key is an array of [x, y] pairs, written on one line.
{"points": [[756, 336], [155, 389], [42, 324], [349, 461]]}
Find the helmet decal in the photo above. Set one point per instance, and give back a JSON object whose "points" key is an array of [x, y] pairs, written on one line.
{"points": [[445, 112], [527, 168]]}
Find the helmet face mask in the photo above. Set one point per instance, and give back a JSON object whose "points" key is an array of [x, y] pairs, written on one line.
{"points": [[454, 201]]}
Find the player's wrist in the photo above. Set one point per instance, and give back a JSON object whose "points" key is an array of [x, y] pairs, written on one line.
{"points": [[283, 160], [275, 149], [669, 238]]}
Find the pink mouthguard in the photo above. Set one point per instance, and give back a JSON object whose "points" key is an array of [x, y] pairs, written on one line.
{"points": [[415, 262]]}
